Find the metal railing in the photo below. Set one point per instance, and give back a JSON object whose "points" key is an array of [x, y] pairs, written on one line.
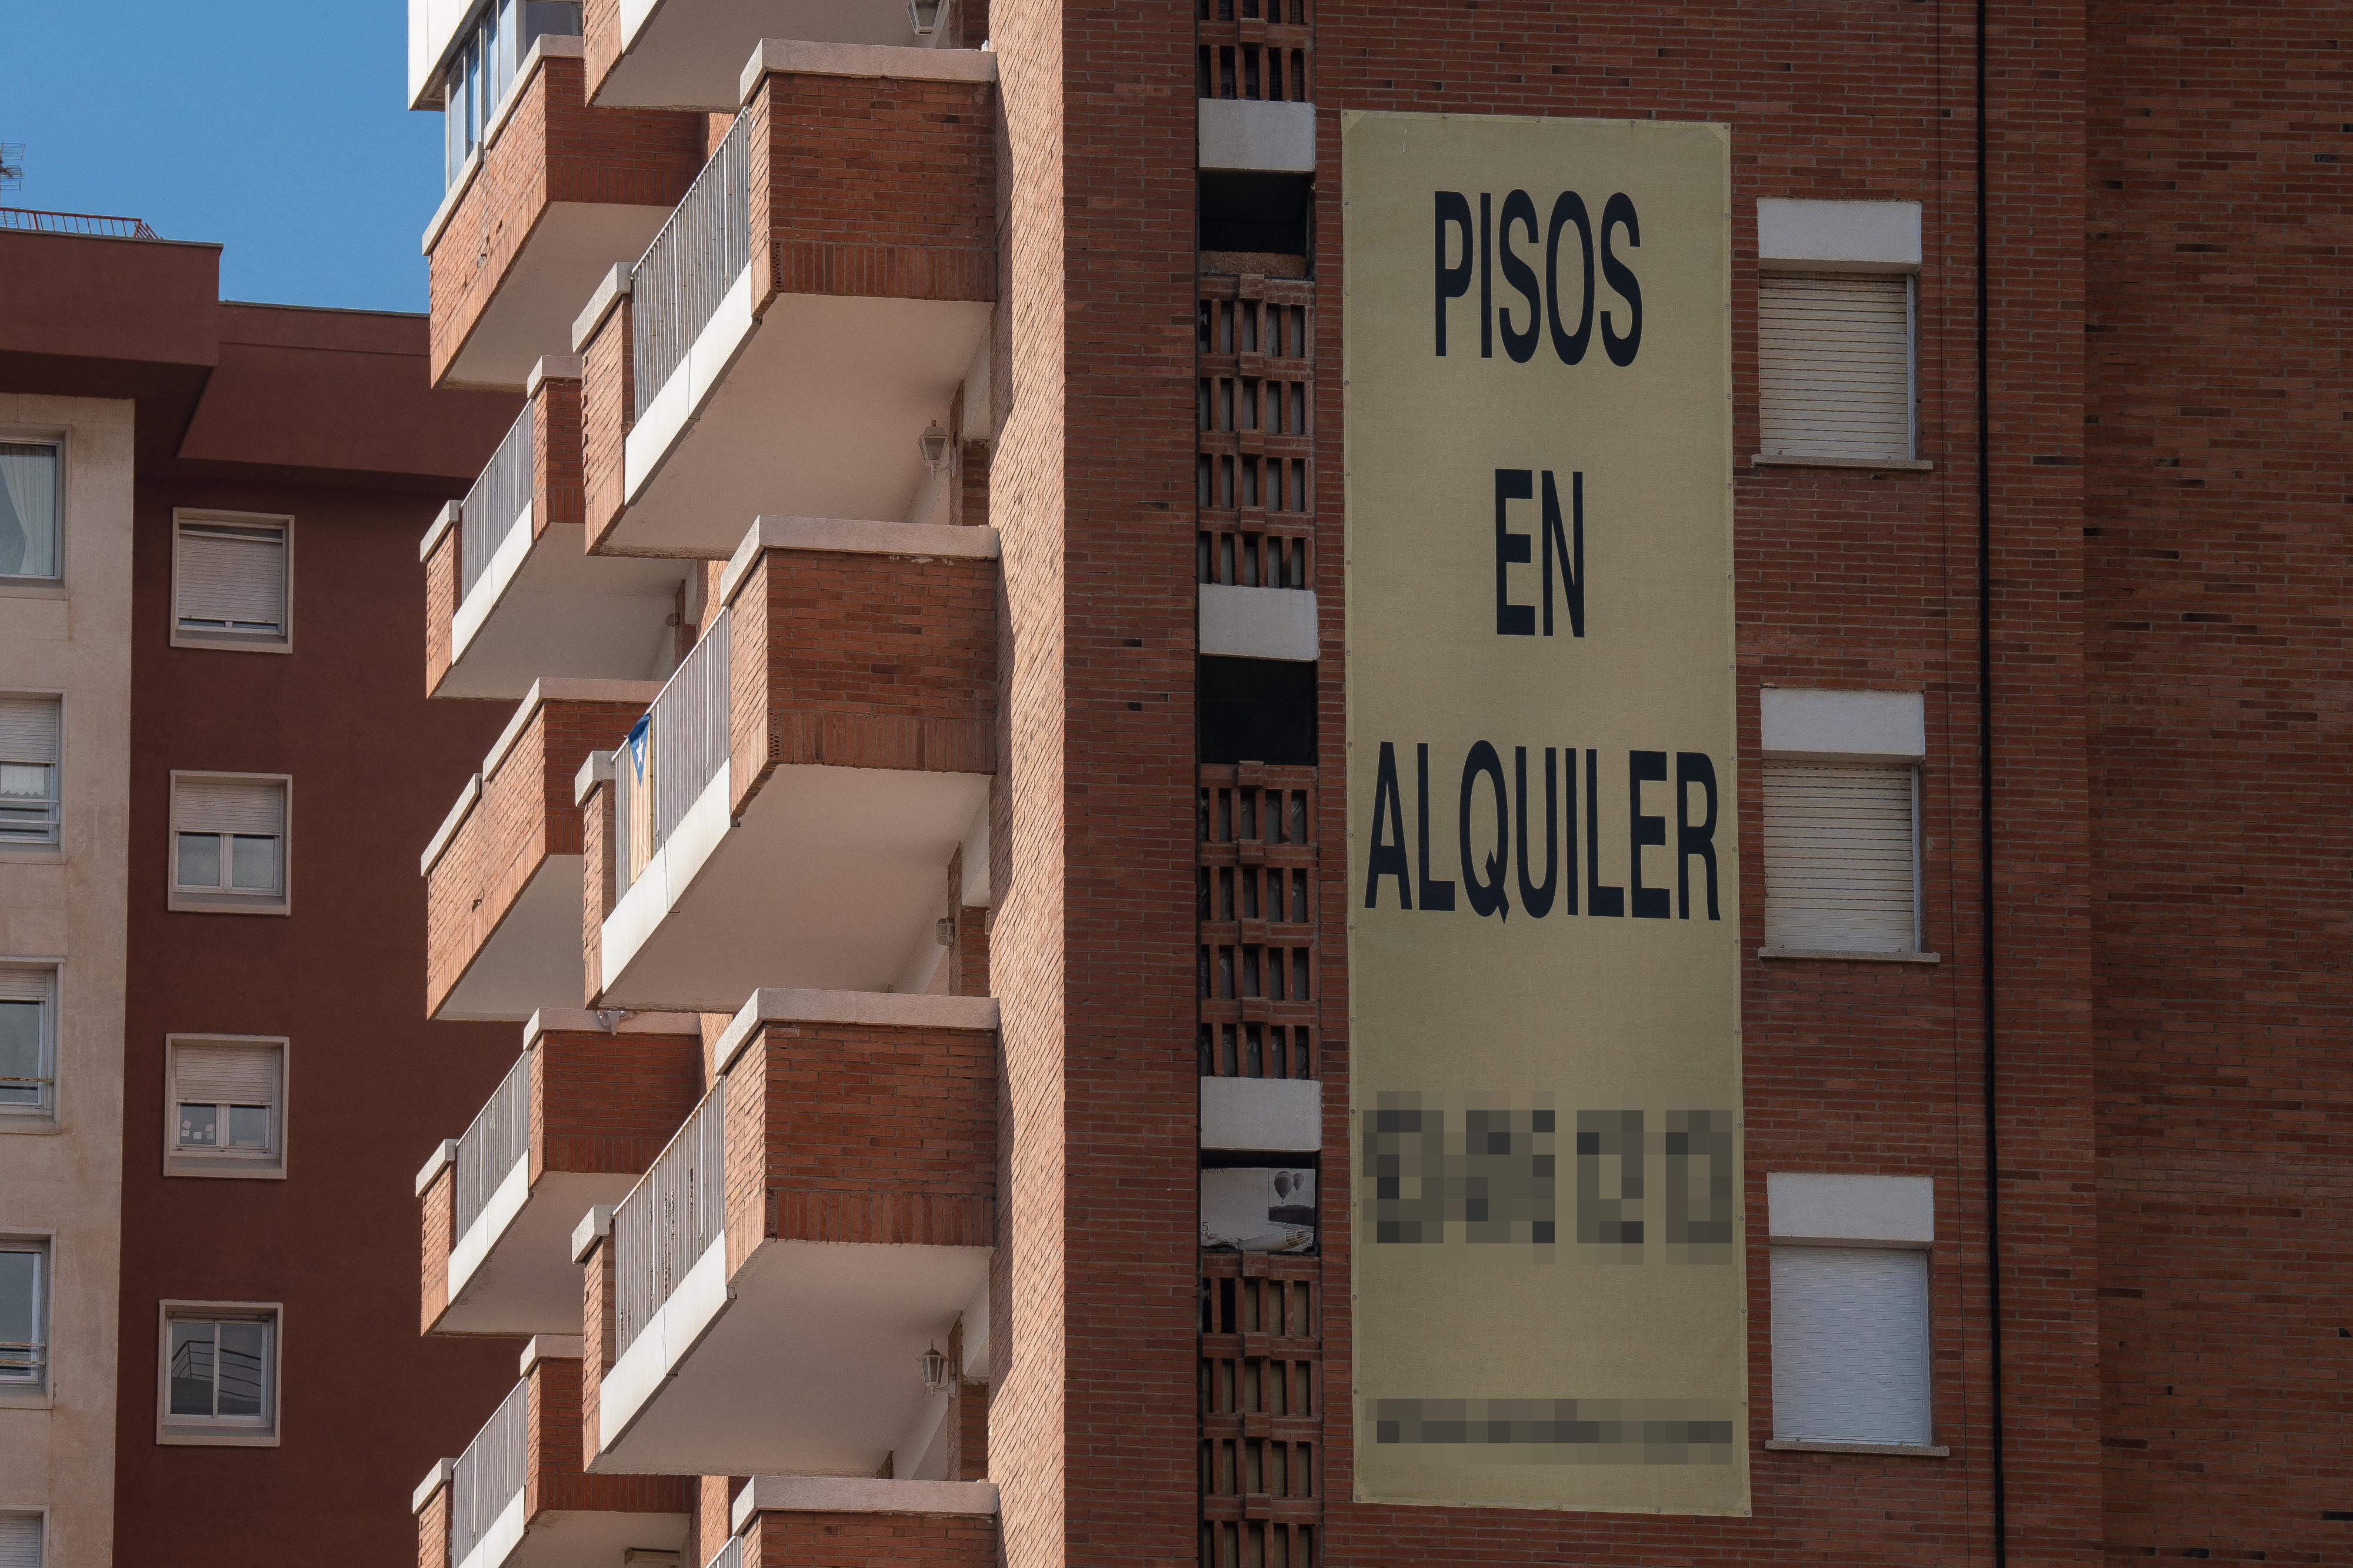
{"points": [[670, 1218], [728, 1556], [498, 500], [489, 1473], [676, 287], [500, 1136], [685, 748], [25, 220]]}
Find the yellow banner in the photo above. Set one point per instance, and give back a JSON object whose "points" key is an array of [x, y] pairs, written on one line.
{"points": [[1544, 864]]}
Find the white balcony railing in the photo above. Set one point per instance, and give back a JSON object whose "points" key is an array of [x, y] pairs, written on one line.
{"points": [[676, 287], [500, 1136], [489, 1473], [500, 500], [660, 774], [670, 1218], [728, 1556]]}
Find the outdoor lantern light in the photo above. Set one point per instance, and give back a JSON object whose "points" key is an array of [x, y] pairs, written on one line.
{"points": [[935, 1368], [933, 444], [924, 17]]}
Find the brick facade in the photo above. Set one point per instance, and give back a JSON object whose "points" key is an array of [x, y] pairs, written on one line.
{"points": [[439, 1225], [609, 1102], [552, 1478], [779, 1540], [608, 407]]}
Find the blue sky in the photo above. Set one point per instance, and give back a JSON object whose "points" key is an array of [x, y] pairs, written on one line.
{"points": [[276, 127]]}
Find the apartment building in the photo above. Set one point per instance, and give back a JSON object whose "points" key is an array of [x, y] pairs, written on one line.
{"points": [[210, 775], [1044, 556]]}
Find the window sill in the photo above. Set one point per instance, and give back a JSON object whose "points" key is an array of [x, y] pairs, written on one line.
{"points": [[1901, 465], [28, 1400], [1848, 955], [230, 643], [32, 853], [226, 904], [189, 1434], [40, 1124], [1888, 1450], [32, 588], [234, 1167]]}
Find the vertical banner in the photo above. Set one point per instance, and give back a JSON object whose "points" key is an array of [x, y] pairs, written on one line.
{"points": [[1544, 887]]}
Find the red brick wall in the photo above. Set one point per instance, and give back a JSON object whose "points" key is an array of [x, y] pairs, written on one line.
{"points": [[861, 661], [553, 148], [553, 1478], [870, 1540], [872, 187], [608, 407], [598, 1347], [597, 892], [609, 1102], [440, 606], [433, 1531], [440, 1206], [600, 38], [556, 495]]}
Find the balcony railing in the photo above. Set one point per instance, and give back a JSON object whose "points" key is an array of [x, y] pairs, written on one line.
{"points": [[27, 221], [730, 1555], [684, 747], [489, 1473], [500, 1136], [670, 1218], [497, 501], [676, 287]]}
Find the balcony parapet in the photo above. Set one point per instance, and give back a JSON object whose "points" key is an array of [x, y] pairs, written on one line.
{"points": [[761, 1298], [784, 1520], [575, 1123]]}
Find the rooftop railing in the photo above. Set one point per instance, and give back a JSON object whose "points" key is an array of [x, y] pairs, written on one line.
{"points": [[676, 287], [489, 1473], [500, 500], [685, 746], [670, 1218], [25, 220], [500, 1136]]}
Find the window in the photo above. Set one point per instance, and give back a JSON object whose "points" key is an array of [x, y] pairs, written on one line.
{"points": [[230, 573], [28, 1042], [29, 508], [229, 842], [1834, 366], [29, 728], [220, 1363], [23, 1315], [1851, 1319], [20, 1540], [225, 1101], [1839, 859], [483, 67]]}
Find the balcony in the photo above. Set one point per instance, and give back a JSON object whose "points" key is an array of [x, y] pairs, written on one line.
{"points": [[557, 193], [760, 1300], [823, 1518], [808, 775], [689, 54], [574, 1123], [502, 915], [517, 1498], [807, 314], [512, 594]]}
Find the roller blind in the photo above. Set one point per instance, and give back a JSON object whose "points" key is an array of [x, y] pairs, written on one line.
{"points": [[1834, 365], [1837, 857], [222, 1074], [24, 985], [1851, 1344], [232, 577], [28, 729], [230, 805], [20, 1541]]}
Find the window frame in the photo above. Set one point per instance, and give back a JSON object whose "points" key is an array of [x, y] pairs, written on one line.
{"points": [[53, 847], [40, 1517], [268, 1164], [233, 642], [16, 584], [227, 900], [42, 1115], [35, 1392], [220, 1431]]}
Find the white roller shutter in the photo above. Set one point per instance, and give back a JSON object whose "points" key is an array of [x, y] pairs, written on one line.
{"points": [[24, 985], [20, 1541], [28, 729], [209, 1073], [1851, 1344], [232, 577], [230, 805], [1834, 366], [1839, 858]]}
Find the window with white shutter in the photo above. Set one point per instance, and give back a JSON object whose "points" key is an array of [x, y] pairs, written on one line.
{"points": [[28, 1040], [229, 842], [225, 1098], [1834, 366], [1840, 864], [230, 576], [1850, 1345], [20, 1541], [30, 752]]}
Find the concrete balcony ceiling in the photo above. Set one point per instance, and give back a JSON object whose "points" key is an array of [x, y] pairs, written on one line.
{"points": [[689, 54], [547, 607]]}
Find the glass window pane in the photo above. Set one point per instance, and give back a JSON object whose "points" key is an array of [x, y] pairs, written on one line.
{"points": [[20, 1297], [254, 862], [29, 509], [244, 1365], [199, 860], [29, 780], [249, 1127], [200, 1127], [20, 1052], [191, 1369]]}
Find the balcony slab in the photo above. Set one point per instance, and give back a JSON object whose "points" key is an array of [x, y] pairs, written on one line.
{"points": [[689, 54]]}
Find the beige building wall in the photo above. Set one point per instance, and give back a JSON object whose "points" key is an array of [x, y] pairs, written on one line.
{"points": [[65, 1177]]}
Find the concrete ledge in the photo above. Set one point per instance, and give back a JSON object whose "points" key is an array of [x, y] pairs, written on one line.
{"points": [[439, 1476], [582, 1021], [1844, 955], [601, 301], [866, 1009], [593, 1226], [595, 769], [900, 60], [551, 367], [1258, 623], [550, 1347], [445, 1155], [856, 1494], [1890, 1450], [855, 536], [565, 689], [449, 825], [1787, 460], [442, 524], [1249, 134]]}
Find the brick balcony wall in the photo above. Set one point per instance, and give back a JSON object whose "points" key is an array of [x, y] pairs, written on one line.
{"points": [[608, 407], [439, 1209], [598, 892], [599, 1348], [441, 597], [554, 1479], [871, 1541], [609, 1102], [862, 661], [433, 1531], [557, 495]]}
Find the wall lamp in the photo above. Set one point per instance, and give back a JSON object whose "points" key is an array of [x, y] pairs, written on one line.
{"points": [[924, 17], [933, 444], [935, 1368]]}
